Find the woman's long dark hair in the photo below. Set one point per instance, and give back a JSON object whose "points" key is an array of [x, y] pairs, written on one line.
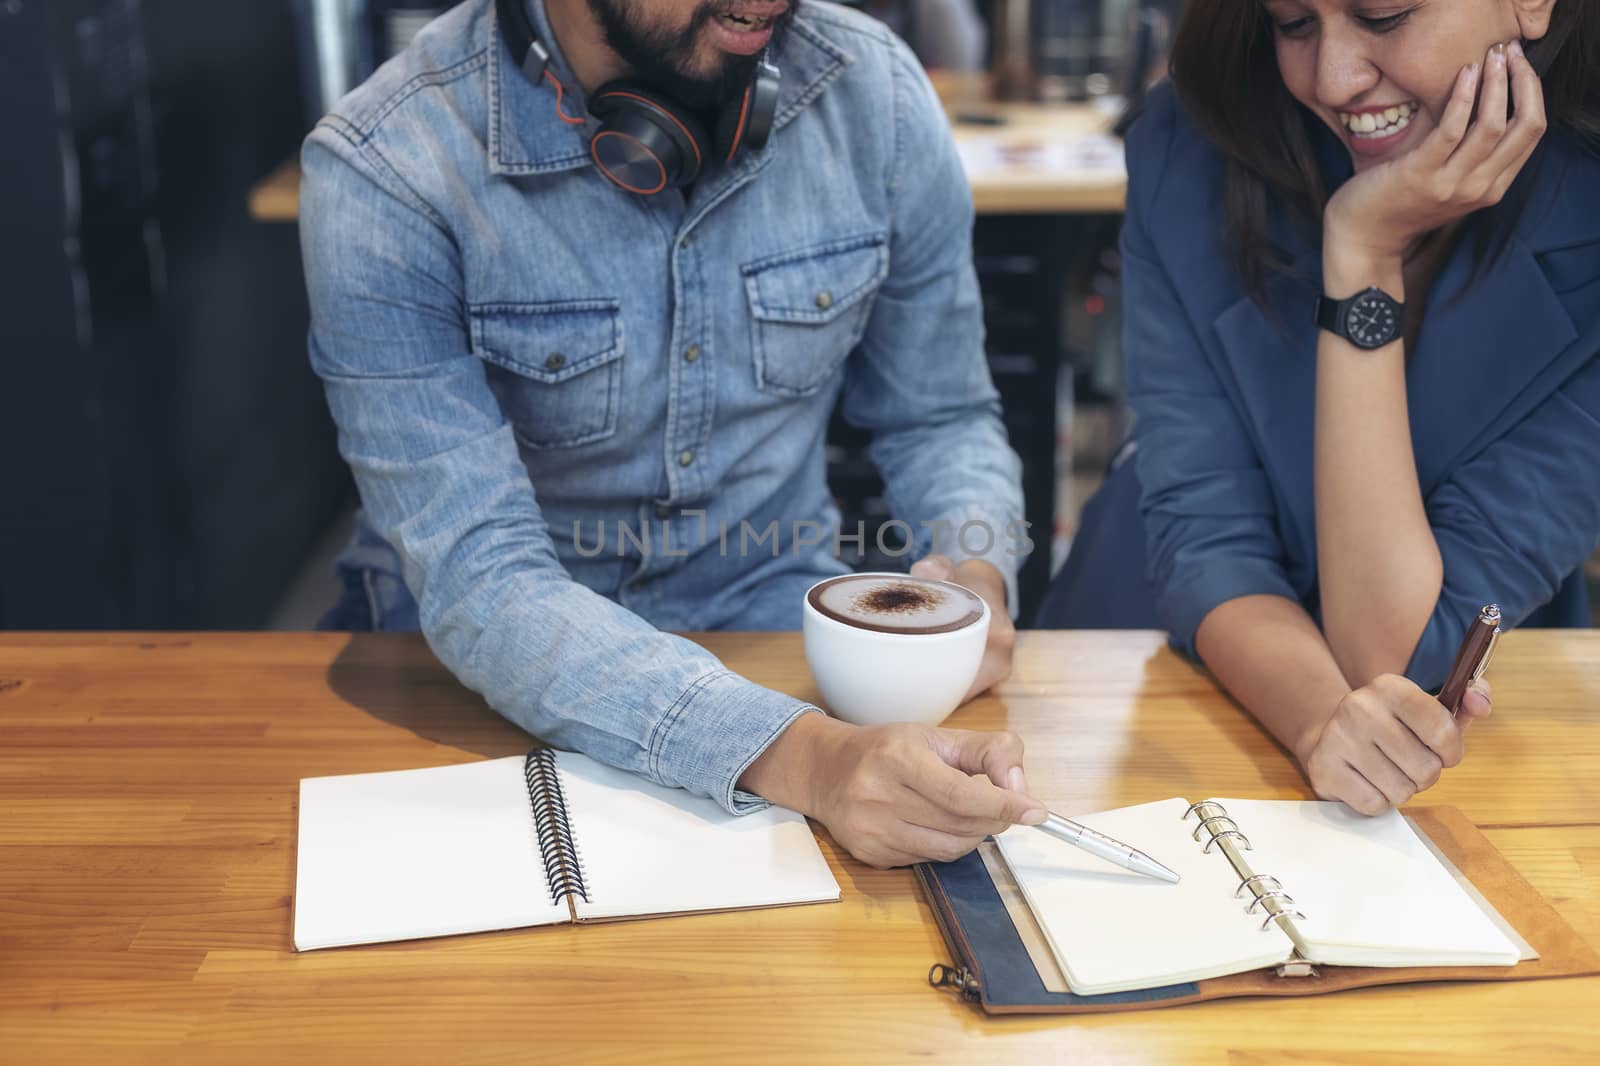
{"points": [[1225, 71]]}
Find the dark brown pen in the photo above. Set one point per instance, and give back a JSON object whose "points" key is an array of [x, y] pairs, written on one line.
{"points": [[1473, 658]]}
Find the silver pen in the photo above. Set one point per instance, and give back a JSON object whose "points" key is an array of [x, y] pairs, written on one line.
{"points": [[1115, 851]]}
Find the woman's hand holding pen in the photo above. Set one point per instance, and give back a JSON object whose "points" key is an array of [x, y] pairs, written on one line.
{"points": [[1386, 742], [1463, 164]]}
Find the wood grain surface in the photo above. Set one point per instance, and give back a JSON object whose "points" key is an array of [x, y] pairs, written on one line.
{"points": [[147, 833]]}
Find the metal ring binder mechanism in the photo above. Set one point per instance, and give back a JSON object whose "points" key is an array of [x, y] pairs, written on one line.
{"points": [[1274, 902], [1205, 823], [1269, 895], [1250, 883], [563, 864]]}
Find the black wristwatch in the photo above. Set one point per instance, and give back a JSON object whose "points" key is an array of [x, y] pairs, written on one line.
{"points": [[1369, 319]]}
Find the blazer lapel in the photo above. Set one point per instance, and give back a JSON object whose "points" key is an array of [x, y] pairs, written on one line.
{"points": [[1489, 354], [1479, 351]]}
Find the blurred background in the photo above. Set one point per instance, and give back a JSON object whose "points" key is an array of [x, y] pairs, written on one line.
{"points": [[168, 460]]}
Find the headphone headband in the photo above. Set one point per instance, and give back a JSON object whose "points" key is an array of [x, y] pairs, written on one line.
{"points": [[526, 49], [642, 131]]}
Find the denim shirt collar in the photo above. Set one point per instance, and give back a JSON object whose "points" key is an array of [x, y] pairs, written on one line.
{"points": [[526, 136]]}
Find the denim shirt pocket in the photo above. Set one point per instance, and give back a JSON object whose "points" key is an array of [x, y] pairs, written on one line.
{"points": [[555, 368], [809, 308]]}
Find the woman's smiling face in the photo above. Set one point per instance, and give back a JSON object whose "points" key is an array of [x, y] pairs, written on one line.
{"points": [[1379, 72]]}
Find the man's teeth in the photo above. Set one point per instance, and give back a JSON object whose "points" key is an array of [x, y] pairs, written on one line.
{"points": [[745, 22], [1375, 124]]}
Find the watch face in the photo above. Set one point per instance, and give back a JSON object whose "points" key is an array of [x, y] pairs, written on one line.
{"points": [[1372, 320]]}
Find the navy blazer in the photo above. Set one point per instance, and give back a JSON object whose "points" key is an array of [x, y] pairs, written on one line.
{"points": [[1503, 390]]}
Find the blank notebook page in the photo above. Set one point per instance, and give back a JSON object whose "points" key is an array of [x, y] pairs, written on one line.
{"points": [[1371, 891], [417, 853], [1112, 930], [652, 850]]}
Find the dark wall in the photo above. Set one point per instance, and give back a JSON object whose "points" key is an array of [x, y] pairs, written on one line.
{"points": [[167, 458]]}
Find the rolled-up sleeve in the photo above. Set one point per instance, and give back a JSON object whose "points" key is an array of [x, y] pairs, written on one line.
{"points": [[1515, 520], [441, 479], [920, 380], [1210, 519]]}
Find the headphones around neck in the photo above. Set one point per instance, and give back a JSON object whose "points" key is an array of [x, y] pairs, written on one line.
{"points": [[645, 142]]}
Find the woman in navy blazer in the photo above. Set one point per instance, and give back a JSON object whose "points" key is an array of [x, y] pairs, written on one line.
{"points": [[1318, 520]]}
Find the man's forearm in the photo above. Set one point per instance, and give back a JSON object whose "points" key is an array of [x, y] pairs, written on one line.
{"points": [[1378, 564], [1268, 652]]}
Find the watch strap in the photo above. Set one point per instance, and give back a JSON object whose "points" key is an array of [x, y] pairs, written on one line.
{"points": [[1329, 314]]}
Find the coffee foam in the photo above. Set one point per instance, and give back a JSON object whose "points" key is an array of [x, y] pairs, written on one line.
{"points": [[897, 604]]}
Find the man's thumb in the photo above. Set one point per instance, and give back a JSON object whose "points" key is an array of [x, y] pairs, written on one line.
{"points": [[997, 756]]}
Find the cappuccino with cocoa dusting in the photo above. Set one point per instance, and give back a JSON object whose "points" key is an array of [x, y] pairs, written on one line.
{"points": [[896, 604]]}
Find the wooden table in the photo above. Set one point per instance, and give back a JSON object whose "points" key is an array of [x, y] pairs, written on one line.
{"points": [[1023, 189], [147, 839]]}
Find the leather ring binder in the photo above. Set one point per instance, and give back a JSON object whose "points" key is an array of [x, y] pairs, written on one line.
{"points": [[1251, 882], [1262, 899]]}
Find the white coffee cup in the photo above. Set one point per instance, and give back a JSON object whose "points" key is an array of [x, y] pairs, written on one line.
{"points": [[872, 676]]}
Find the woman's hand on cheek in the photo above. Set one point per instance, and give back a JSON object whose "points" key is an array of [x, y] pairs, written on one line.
{"points": [[1462, 165]]}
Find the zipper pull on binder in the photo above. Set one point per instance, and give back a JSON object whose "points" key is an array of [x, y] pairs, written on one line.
{"points": [[959, 978]]}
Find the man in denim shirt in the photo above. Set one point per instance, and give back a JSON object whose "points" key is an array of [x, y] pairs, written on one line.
{"points": [[580, 417]]}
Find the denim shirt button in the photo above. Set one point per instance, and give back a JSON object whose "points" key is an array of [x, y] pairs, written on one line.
{"points": [[555, 362], [692, 353], [685, 457], [824, 300], [663, 511]]}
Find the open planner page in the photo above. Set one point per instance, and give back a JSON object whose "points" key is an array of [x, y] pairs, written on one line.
{"points": [[1371, 891], [652, 850], [1112, 930], [418, 853]]}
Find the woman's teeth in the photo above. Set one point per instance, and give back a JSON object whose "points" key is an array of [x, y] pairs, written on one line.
{"points": [[1374, 124]]}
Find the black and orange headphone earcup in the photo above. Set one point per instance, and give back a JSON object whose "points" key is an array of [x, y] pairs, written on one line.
{"points": [[747, 125], [645, 144]]}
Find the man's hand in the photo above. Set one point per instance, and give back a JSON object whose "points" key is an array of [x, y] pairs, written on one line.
{"points": [[1388, 741], [897, 794], [983, 579]]}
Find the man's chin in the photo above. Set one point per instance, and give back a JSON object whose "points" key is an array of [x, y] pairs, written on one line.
{"points": [[719, 76]]}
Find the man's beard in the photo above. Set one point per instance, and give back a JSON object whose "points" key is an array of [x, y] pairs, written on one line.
{"points": [[661, 57]]}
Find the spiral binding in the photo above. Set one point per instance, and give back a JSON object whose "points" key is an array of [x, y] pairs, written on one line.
{"points": [[1274, 902], [563, 864]]}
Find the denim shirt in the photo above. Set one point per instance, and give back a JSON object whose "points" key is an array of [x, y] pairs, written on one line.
{"points": [[580, 417]]}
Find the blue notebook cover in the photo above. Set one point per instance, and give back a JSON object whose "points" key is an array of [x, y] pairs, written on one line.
{"points": [[991, 965]]}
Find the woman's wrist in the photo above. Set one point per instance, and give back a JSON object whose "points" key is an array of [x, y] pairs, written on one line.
{"points": [[1306, 738], [1350, 266]]}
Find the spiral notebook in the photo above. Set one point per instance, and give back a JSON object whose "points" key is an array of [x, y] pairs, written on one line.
{"points": [[531, 840], [1277, 898]]}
